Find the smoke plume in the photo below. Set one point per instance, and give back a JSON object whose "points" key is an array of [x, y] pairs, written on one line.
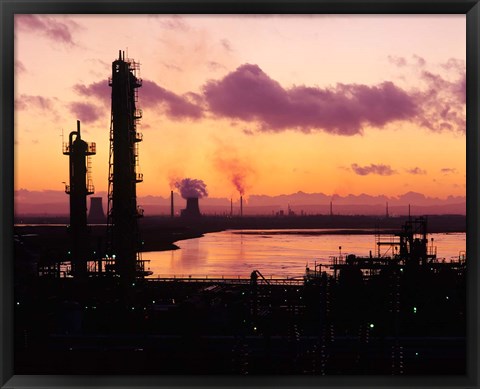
{"points": [[189, 187], [236, 168]]}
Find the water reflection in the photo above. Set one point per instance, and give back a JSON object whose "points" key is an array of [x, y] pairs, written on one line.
{"points": [[273, 253]]}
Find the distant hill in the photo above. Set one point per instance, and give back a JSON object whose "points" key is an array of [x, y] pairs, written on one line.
{"points": [[54, 203]]}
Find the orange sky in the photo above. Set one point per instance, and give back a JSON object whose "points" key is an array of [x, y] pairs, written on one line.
{"points": [[332, 104]]}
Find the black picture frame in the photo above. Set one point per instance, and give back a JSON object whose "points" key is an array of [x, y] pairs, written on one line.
{"points": [[8, 8]]}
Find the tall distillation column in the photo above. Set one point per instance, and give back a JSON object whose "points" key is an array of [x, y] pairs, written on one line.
{"points": [[80, 185], [122, 224]]}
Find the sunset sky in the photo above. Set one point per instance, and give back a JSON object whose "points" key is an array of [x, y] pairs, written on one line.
{"points": [[274, 104]]}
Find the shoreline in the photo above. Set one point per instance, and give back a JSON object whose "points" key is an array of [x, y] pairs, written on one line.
{"points": [[52, 241]]}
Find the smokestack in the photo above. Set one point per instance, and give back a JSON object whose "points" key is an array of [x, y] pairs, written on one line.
{"points": [[231, 207], [241, 206], [171, 204], [192, 209], [387, 211], [331, 209], [96, 215]]}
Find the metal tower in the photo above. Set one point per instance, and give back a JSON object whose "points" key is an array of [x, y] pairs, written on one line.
{"points": [[123, 176], [80, 185]]}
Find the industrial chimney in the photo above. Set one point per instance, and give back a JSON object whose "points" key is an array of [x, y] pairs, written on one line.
{"points": [[96, 215], [241, 205], [192, 209], [172, 212]]}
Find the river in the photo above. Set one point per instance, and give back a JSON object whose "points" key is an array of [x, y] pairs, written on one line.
{"points": [[275, 253]]}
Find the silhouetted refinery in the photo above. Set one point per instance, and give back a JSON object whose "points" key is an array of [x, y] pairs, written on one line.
{"points": [[84, 304]]}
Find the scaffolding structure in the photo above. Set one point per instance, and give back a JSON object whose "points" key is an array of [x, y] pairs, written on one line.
{"points": [[123, 240]]}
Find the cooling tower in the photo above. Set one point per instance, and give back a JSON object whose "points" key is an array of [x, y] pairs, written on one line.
{"points": [[96, 215], [192, 209]]}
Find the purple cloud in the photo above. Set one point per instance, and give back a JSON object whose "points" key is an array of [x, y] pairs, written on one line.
{"points": [[442, 103], [397, 61], [151, 95], [420, 60], [176, 107], [381, 170], [47, 26], [251, 95], [449, 170], [98, 89], [28, 102], [416, 170], [19, 67], [85, 112], [226, 45]]}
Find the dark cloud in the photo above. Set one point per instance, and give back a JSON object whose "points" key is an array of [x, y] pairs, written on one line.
{"points": [[175, 106], [416, 170], [29, 102], [48, 26], [381, 170], [251, 95], [85, 112]]}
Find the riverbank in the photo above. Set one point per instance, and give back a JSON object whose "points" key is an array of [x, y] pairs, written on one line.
{"points": [[52, 241]]}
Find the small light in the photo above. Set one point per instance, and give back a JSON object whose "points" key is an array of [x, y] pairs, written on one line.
{"points": [[69, 253], [133, 284], [447, 297], [372, 325], [416, 354], [114, 256], [254, 328], [401, 269], [414, 309], [18, 302], [153, 302], [133, 308]]}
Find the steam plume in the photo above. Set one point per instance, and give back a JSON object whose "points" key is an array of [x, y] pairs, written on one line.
{"points": [[189, 187]]}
